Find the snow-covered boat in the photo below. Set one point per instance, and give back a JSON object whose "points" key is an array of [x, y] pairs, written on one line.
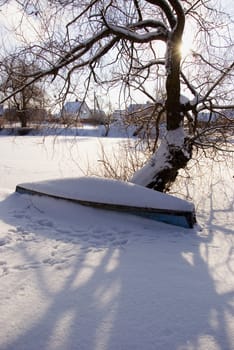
{"points": [[116, 195]]}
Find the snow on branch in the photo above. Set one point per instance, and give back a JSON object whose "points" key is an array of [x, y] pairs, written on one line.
{"points": [[127, 33], [163, 5], [150, 23], [85, 45]]}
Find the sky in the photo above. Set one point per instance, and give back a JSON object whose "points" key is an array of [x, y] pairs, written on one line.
{"points": [[32, 29]]}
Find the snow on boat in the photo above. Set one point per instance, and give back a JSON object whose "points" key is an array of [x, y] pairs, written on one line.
{"points": [[116, 195]]}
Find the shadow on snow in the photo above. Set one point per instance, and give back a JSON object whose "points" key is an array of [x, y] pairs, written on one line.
{"points": [[112, 281]]}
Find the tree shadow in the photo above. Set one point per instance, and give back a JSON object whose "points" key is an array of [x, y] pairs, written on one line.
{"points": [[88, 279]]}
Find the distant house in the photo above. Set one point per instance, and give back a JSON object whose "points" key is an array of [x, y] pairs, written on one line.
{"points": [[76, 110]]}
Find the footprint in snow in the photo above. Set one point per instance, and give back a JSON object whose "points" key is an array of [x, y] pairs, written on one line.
{"points": [[4, 271], [120, 243], [84, 236], [52, 261], [46, 223], [4, 241], [3, 268], [23, 267], [21, 216], [64, 231]]}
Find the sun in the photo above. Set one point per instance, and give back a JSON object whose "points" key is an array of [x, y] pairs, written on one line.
{"points": [[186, 48], [187, 45]]}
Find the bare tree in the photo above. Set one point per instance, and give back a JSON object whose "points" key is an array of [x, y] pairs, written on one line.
{"points": [[15, 73], [141, 40]]}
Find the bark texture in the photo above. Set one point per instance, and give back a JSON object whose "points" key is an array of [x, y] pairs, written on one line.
{"points": [[176, 159], [174, 152]]}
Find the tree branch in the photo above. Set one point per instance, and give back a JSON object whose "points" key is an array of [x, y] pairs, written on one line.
{"points": [[218, 81], [126, 33], [163, 5]]}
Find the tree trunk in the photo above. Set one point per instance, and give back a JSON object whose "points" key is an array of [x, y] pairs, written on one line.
{"points": [[23, 112], [175, 149], [23, 118]]}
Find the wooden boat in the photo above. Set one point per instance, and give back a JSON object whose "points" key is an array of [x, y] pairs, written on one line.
{"points": [[116, 195]]}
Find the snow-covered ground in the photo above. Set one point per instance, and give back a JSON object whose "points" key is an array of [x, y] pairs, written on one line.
{"points": [[78, 278]]}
